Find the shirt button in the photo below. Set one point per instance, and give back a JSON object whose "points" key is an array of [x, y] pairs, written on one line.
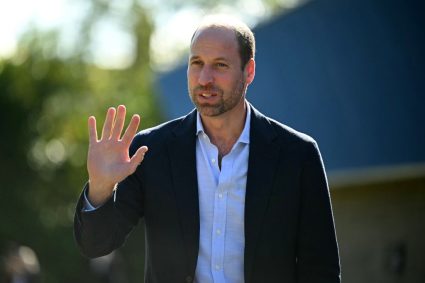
{"points": [[213, 160], [217, 267], [218, 231], [189, 279], [220, 195]]}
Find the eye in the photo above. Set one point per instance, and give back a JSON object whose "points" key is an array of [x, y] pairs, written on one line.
{"points": [[196, 63], [221, 65]]}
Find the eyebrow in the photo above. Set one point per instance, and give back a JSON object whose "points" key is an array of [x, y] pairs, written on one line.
{"points": [[193, 58], [196, 57]]}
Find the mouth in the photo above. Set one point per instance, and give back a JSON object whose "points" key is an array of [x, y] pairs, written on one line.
{"points": [[206, 94]]}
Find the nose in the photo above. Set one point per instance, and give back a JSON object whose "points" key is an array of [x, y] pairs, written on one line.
{"points": [[205, 76]]}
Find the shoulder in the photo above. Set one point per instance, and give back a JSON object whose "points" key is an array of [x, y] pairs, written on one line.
{"points": [[288, 138], [275, 128], [163, 132], [290, 134], [297, 141]]}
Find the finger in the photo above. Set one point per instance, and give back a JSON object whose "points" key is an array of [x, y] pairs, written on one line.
{"points": [[119, 123], [92, 130], [107, 126], [131, 129], [138, 157]]}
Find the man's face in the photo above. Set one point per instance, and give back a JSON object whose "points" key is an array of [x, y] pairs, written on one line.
{"points": [[216, 82]]}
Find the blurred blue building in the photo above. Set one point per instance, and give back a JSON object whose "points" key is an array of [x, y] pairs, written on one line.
{"points": [[352, 75]]}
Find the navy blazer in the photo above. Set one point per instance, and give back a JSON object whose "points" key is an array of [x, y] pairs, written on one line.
{"points": [[289, 228]]}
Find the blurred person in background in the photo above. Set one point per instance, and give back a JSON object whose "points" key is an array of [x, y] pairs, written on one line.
{"points": [[21, 265], [109, 268]]}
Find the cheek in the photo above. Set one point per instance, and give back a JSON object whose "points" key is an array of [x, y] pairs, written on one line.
{"points": [[223, 79], [228, 82], [192, 77]]}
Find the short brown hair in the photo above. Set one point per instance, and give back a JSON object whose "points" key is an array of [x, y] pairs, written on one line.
{"points": [[244, 35]]}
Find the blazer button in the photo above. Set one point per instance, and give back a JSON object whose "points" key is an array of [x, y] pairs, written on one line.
{"points": [[189, 279]]}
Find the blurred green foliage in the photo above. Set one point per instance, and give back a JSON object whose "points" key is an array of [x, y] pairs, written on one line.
{"points": [[45, 100]]}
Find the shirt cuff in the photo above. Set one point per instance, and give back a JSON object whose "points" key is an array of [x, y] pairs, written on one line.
{"points": [[87, 205]]}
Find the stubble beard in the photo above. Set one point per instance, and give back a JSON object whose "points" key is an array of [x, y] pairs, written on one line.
{"points": [[223, 105]]}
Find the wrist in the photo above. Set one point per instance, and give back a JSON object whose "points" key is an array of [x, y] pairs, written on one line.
{"points": [[98, 194]]}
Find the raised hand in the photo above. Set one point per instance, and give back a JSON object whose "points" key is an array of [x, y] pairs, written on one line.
{"points": [[108, 160]]}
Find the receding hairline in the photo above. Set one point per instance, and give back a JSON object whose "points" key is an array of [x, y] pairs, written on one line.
{"points": [[243, 35], [220, 22], [203, 28]]}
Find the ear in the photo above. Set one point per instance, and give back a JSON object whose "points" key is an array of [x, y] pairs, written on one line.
{"points": [[249, 71]]}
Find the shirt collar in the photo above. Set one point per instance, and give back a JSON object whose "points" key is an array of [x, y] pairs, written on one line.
{"points": [[244, 137]]}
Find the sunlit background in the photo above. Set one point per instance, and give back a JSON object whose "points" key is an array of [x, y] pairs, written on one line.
{"points": [[112, 40], [61, 61], [349, 73]]}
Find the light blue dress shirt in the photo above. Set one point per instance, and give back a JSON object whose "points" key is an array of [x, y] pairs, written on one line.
{"points": [[221, 208]]}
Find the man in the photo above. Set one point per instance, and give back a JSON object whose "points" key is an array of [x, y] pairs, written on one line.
{"points": [[227, 194]]}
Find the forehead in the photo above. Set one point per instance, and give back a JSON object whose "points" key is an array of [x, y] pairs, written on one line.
{"points": [[214, 41]]}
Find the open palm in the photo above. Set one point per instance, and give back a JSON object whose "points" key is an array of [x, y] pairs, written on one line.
{"points": [[108, 160]]}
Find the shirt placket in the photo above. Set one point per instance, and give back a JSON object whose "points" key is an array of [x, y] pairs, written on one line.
{"points": [[219, 220]]}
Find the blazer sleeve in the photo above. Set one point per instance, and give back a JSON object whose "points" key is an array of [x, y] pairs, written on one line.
{"points": [[98, 232], [317, 249]]}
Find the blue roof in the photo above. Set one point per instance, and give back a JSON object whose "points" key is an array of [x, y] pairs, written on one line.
{"points": [[349, 73]]}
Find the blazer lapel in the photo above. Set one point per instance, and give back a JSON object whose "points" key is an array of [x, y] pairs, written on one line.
{"points": [[263, 159], [182, 153]]}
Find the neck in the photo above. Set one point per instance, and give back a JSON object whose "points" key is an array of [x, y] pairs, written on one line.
{"points": [[225, 129]]}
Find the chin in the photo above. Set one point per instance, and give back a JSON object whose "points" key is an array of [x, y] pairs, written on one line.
{"points": [[210, 111]]}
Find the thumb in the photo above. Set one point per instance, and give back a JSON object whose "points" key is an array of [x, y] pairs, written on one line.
{"points": [[138, 157]]}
